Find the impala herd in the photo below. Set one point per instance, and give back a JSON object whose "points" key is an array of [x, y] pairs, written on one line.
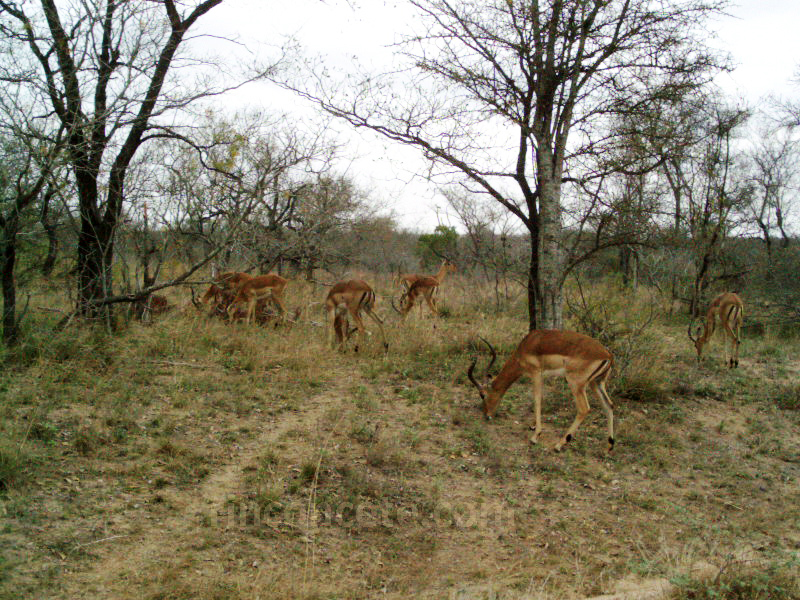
{"points": [[583, 361]]}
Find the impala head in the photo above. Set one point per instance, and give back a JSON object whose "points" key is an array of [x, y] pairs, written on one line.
{"points": [[449, 266], [489, 397], [697, 339]]}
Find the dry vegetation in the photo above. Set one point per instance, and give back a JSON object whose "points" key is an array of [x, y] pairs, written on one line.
{"points": [[191, 459]]}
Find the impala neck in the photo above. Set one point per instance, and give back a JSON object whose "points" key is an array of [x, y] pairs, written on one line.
{"points": [[442, 273], [708, 328], [510, 372]]}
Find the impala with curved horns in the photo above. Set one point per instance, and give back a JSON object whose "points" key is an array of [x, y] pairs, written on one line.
{"points": [[352, 296], [728, 308], [256, 288], [582, 360]]}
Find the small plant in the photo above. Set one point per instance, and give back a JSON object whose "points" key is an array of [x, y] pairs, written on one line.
{"points": [[87, 440], [788, 397], [365, 433], [308, 472], [12, 464], [741, 582], [44, 432]]}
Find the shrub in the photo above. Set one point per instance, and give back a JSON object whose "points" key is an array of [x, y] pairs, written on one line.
{"points": [[622, 322]]}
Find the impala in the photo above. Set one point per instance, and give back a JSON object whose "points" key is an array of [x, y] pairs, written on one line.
{"points": [[408, 279], [425, 286], [351, 297], [222, 283], [729, 309], [257, 288], [582, 360]]}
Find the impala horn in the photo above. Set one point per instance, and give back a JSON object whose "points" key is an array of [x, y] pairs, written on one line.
{"points": [[471, 370], [691, 324], [494, 357], [395, 307]]}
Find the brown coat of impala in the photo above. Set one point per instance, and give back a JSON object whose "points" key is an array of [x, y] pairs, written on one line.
{"points": [[583, 361], [351, 297], [257, 288], [728, 308]]}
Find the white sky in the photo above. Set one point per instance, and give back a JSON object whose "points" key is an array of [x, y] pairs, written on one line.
{"points": [[761, 36]]}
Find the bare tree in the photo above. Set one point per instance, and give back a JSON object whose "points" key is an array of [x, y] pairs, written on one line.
{"points": [[708, 178], [775, 160], [539, 77], [490, 233], [108, 70]]}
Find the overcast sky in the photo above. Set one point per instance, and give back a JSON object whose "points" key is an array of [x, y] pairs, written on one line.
{"points": [[761, 36]]}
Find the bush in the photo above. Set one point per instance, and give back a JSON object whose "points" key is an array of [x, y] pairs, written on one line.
{"points": [[622, 322]]}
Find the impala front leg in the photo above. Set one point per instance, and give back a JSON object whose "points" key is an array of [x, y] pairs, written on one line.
{"points": [[537, 407]]}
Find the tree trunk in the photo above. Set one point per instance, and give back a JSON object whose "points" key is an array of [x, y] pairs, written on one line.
{"points": [[629, 266], [533, 282], [551, 262], [7, 262], [95, 254]]}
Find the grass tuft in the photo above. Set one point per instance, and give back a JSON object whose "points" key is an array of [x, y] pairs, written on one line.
{"points": [[13, 461], [741, 582]]}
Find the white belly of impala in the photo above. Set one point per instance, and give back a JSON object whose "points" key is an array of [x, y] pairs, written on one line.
{"points": [[560, 371]]}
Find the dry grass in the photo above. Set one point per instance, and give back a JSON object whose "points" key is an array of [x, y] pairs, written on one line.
{"points": [[192, 459]]}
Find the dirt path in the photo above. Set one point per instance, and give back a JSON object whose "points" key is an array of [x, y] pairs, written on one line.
{"points": [[157, 542]]}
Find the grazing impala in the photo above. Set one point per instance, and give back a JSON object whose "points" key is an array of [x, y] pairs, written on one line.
{"points": [[256, 288], [352, 296], [584, 362], [729, 309], [224, 282], [425, 286]]}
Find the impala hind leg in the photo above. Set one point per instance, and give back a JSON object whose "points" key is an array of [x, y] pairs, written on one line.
{"points": [[732, 360], [738, 341], [582, 407], [379, 323], [537, 407], [599, 387]]}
